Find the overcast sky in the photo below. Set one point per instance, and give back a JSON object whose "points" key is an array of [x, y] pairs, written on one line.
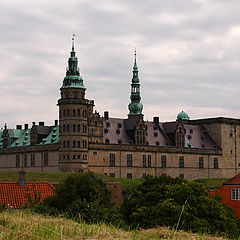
{"points": [[188, 54]]}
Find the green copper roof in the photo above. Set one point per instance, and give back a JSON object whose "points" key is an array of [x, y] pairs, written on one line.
{"points": [[73, 78], [52, 138], [183, 116], [135, 107], [23, 138]]}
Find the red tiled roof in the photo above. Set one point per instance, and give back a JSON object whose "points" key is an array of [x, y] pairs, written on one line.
{"points": [[14, 195], [233, 181]]}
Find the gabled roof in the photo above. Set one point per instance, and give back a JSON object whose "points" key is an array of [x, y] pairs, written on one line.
{"points": [[15, 196], [23, 139], [233, 181]]}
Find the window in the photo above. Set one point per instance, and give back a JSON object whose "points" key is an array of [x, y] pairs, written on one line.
{"points": [[84, 156], [119, 125], [84, 128], [84, 144], [68, 113], [67, 127], [17, 161], [78, 112], [94, 153], [45, 159], [74, 156], [107, 140], [25, 160], [64, 112], [144, 174], [67, 144], [201, 162], [117, 131], [144, 161], [155, 134], [64, 144], [33, 160], [157, 143], [112, 160], [129, 175], [181, 175], [112, 175], [108, 124], [119, 141], [78, 144], [235, 194], [181, 162], [74, 144], [78, 127], [163, 161], [74, 128], [74, 112], [64, 128], [215, 162], [105, 130], [84, 113], [129, 160], [191, 130], [149, 160]]}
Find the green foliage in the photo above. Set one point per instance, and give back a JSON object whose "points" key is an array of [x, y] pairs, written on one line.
{"points": [[159, 201]]}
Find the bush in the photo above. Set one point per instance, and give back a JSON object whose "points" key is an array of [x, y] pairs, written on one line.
{"points": [[160, 201]]}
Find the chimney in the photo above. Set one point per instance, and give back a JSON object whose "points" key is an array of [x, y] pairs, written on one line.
{"points": [[26, 126], [56, 122], [19, 127], [156, 120], [41, 123], [106, 115], [21, 180]]}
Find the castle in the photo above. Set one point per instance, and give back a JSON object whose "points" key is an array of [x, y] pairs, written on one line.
{"points": [[83, 140]]}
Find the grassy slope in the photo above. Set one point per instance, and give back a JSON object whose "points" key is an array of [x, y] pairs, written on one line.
{"points": [[15, 225]]}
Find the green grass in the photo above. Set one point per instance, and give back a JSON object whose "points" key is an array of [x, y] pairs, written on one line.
{"points": [[212, 182], [24, 225]]}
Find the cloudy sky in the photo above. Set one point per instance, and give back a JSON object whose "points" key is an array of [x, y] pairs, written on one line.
{"points": [[188, 53]]}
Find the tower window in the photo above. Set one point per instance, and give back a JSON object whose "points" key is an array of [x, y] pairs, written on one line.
{"points": [[78, 144], [74, 112], [74, 144], [67, 127], [64, 128], [78, 127], [67, 144], [64, 112], [84, 142], [74, 128], [78, 112], [84, 113], [84, 128], [68, 112], [108, 124], [191, 130], [74, 156]]}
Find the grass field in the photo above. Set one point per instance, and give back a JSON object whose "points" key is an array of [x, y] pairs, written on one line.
{"points": [[16, 225]]}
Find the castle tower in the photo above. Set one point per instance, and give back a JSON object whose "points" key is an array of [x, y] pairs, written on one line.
{"points": [[135, 107], [74, 111], [138, 134]]}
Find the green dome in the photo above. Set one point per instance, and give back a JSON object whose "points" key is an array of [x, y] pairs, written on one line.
{"points": [[183, 116]]}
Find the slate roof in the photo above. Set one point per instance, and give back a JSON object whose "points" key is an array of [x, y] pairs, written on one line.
{"points": [[14, 195]]}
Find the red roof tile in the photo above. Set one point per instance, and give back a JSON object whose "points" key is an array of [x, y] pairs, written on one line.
{"points": [[14, 195], [233, 181]]}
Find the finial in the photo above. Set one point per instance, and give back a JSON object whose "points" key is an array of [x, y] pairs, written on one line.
{"points": [[73, 38], [5, 126], [135, 54]]}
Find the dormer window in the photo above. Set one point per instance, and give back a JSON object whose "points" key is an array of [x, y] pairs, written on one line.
{"points": [[189, 137], [119, 125], [117, 131], [155, 134], [105, 130], [108, 124], [157, 143], [191, 130], [107, 140]]}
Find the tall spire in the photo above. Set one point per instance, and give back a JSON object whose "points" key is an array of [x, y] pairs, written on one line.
{"points": [[73, 78], [135, 107]]}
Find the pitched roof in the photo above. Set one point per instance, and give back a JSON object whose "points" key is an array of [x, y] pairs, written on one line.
{"points": [[233, 181], [14, 195]]}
